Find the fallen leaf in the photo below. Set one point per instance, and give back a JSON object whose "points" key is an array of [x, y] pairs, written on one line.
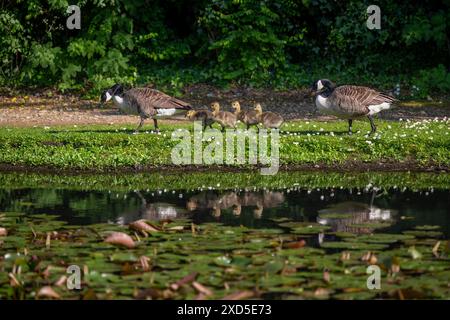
{"points": [[13, 282], [345, 255], [201, 288], [435, 250], [143, 226], [294, 245], [240, 295], [47, 240], [176, 228], [144, 260], [61, 281], [48, 292], [188, 279], [121, 239], [321, 292]]}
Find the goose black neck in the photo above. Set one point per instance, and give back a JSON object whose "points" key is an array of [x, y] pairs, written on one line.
{"points": [[117, 90], [327, 91]]}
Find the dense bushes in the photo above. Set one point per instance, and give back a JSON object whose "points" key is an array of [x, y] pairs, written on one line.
{"points": [[171, 43]]}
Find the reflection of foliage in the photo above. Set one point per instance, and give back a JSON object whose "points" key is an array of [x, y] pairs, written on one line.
{"points": [[255, 42], [73, 206]]}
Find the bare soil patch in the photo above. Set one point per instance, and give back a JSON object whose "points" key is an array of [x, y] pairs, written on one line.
{"points": [[46, 108]]}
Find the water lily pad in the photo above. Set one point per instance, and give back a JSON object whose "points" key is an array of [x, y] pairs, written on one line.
{"points": [[381, 238], [424, 233], [353, 245]]}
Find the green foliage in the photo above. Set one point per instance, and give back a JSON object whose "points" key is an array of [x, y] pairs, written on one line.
{"points": [[282, 44], [431, 80]]}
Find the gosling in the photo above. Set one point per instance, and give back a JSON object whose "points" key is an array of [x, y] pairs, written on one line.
{"points": [[249, 117], [268, 119], [224, 118], [205, 116]]}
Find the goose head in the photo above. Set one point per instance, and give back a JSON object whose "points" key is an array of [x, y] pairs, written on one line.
{"points": [[190, 114], [322, 86], [236, 106], [215, 106], [115, 90], [258, 107]]}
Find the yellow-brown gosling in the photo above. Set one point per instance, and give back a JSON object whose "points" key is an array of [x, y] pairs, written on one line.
{"points": [[249, 117], [224, 118], [205, 116], [268, 119]]}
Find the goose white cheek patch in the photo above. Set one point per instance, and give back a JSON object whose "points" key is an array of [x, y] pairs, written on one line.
{"points": [[118, 100], [108, 96], [319, 85]]}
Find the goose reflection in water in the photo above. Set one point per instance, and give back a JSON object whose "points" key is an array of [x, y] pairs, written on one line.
{"points": [[353, 213], [235, 201], [152, 211]]}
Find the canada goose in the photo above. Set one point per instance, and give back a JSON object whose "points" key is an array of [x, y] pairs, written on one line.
{"points": [[205, 116], [268, 119], [145, 102], [352, 216], [250, 117], [224, 118], [350, 102]]}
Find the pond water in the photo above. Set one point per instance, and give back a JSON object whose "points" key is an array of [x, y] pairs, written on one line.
{"points": [[401, 209], [296, 235]]}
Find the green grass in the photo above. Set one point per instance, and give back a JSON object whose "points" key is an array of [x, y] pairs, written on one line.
{"points": [[421, 144], [125, 182]]}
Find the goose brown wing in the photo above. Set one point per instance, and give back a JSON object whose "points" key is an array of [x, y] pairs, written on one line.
{"points": [[151, 99], [356, 99]]}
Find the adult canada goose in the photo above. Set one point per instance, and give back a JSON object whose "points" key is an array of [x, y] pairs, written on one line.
{"points": [[224, 118], [268, 119], [145, 102], [249, 117], [350, 102], [205, 116]]}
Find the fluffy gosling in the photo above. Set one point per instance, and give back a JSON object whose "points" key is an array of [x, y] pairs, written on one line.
{"points": [[249, 117], [224, 118], [205, 116], [268, 119]]}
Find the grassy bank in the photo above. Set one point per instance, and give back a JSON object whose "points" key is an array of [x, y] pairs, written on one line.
{"points": [[225, 180], [404, 144]]}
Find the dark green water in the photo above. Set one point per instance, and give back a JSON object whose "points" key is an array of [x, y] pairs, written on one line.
{"points": [[402, 208], [295, 235]]}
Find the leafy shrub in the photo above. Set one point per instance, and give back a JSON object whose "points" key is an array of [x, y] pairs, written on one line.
{"points": [[172, 43]]}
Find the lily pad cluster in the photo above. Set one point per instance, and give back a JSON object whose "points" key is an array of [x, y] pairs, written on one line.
{"points": [[181, 260]]}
